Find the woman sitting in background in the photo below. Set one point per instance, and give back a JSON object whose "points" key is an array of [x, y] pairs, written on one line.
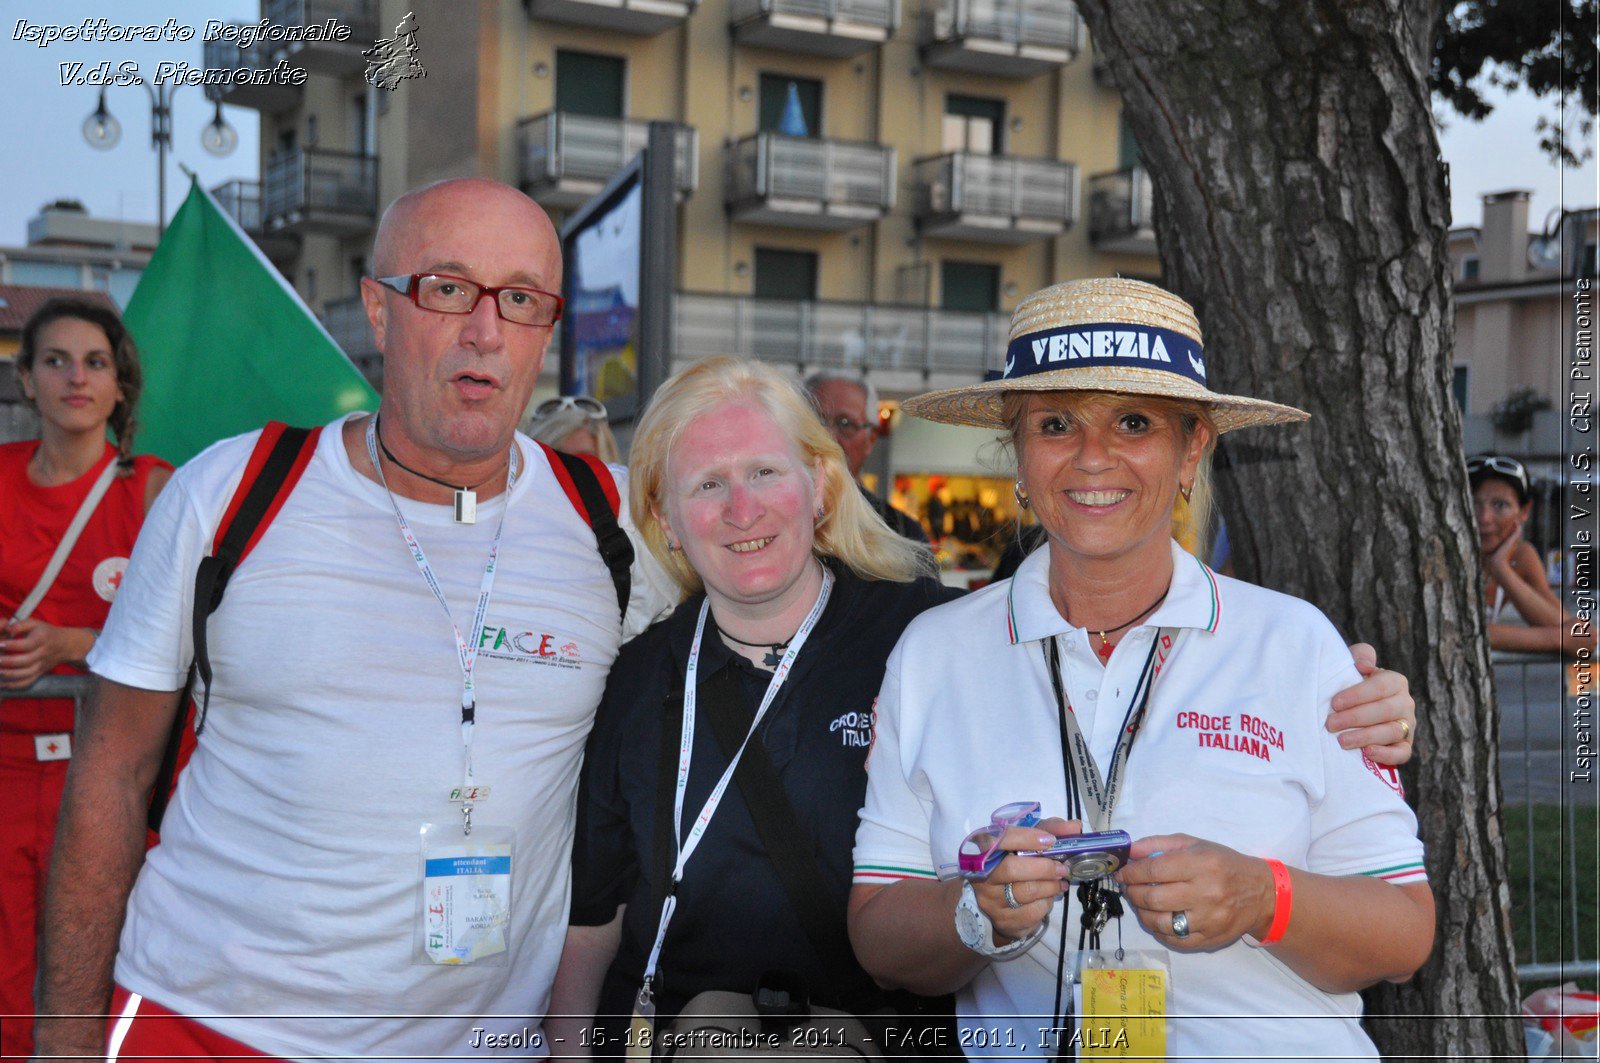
{"points": [[574, 424], [1523, 613]]}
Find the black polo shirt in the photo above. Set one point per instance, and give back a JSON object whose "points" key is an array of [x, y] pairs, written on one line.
{"points": [[733, 920]]}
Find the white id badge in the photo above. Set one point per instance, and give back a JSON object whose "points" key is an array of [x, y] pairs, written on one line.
{"points": [[464, 909]]}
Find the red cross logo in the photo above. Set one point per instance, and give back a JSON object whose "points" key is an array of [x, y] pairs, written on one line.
{"points": [[52, 747]]}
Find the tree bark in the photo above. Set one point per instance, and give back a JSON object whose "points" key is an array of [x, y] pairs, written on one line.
{"points": [[1301, 207]]}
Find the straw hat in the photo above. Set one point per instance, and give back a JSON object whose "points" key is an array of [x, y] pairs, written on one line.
{"points": [[1105, 334]]}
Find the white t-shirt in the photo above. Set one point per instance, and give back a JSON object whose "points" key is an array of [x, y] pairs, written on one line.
{"points": [[287, 881], [1232, 750]]}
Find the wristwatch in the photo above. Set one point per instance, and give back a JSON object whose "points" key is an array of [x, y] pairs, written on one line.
{"points": [[977, 933]]}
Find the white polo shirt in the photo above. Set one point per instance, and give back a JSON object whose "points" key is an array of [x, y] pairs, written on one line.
{"points": [[1232, 750]]}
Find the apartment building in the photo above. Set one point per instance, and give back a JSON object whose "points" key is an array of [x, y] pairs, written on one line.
{"points": [[864, 184]]}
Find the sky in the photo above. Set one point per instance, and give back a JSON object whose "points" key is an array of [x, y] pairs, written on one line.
{"points": [[46, 157]]}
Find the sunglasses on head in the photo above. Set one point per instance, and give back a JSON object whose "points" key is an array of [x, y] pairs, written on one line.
{"points": [[593, 409], [1504, 466]]}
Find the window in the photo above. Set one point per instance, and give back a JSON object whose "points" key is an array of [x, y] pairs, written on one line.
{"points": [[1586, 264], [791, 106], [358, 123], [1128, 153], [590, 84], [973, 125], [969, 286], [311, 285], [311, 130], [788, 275], [1469, 268], [358, 269], [286, 140], [1458, 387]]}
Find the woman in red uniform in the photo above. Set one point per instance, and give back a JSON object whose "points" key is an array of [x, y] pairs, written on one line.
{"points": [[78, 366]]}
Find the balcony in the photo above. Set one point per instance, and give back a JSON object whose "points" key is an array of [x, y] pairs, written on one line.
{"points": [[1003, 38], [1121, 217], [339, 58], [835, 28], [809, 184], [646, 17], [567, 158], [346, 321], [854, 336], [312, 190], [241, 201], [994, 198], [269, 98]]}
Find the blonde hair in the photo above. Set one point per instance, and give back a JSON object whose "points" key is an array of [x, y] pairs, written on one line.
{"points": [[1191, 519], [558, 425], [849, 530]]}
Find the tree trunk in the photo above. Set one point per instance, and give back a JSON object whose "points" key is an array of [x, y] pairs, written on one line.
{"points": [[1301, 206]]}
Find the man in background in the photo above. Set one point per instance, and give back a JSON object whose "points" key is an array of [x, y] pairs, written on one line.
{"points": [[848, 405]]}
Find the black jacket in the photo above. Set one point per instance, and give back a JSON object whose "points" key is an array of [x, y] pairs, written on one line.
{"points": [[733, 920]]}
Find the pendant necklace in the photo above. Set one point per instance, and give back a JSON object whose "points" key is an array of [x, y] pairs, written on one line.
{"points": [[466, 496], [774, 650], [1103, 651]]}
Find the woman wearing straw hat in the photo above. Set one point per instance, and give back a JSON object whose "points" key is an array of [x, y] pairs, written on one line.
{"points": [[1121, 684]]}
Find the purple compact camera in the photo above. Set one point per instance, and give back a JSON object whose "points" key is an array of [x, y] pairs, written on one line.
{"points": [[1088, 856]]}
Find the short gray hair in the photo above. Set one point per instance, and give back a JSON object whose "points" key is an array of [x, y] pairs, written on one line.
{"points": [[825, 376]]}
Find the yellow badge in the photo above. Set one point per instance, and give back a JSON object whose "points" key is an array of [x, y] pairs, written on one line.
{"points": [[1124, 1013]]}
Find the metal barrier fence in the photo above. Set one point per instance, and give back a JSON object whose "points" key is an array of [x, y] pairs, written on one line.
{"points": [[1531, 691]]}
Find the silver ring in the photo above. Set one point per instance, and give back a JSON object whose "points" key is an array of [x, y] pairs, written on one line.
{"points": [[1011, 898], [1180, 924]]}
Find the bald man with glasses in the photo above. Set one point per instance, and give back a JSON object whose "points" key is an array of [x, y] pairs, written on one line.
{"points": [[367, 856]]}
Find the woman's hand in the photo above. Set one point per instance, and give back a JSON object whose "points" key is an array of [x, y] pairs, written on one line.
{"points": [[1223, 894], [1497, 562], [1035, 881], [1369, 715], [32, 648]]}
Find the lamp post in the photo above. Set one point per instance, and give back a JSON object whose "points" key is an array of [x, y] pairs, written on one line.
{"points": [[103, 132]]}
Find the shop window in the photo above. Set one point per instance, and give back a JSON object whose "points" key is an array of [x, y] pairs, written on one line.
{"points": [[590, 84], [791, 106], [973, 125], [790, 275], [973, 286]]}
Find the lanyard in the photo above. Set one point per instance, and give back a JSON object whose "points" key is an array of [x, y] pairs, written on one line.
{"points": [[687, 845], [466, 650], [1103, 792]]}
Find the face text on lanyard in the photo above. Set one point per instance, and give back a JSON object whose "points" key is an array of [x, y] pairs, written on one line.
{"points": [[470, 790]]}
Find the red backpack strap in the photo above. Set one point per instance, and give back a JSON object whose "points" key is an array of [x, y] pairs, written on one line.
{"points": [[592, 490]]}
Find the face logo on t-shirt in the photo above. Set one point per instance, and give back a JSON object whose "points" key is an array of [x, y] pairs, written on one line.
{"points": [[108, 577]]}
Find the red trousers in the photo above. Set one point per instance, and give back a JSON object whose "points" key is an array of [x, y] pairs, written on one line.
{"points": [[30, 795], [142, 1029]]}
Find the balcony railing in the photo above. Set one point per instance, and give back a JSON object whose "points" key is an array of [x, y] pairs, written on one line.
{"points": [[1008, 38], [241, 200], [995, 198], [1121, 212], [817, 27], [227, 55], [566, 158], [346, 321], [313, 190], [630, 16], [841, 335], [329, 56], [812, 184]]}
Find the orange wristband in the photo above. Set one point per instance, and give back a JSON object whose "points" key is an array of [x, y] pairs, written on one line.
{"points": [[1282, 902]]}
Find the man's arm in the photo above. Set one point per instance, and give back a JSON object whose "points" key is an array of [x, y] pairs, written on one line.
{"points": [[100, 843]]}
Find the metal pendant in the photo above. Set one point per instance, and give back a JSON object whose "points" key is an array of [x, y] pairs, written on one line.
{"points": [[466, 506]]}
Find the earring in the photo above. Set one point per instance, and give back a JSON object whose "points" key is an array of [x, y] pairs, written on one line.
{"points": [[821, 515], [1186, 492], [1020, 495]]}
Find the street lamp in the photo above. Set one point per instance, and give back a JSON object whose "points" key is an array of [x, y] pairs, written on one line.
{"points": [[103, 132]]}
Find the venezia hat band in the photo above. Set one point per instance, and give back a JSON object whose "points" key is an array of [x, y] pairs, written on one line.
{"points": [[1103, 344]]}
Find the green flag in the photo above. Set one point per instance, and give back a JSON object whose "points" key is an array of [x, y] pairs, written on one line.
{"points": [[226, 343]]}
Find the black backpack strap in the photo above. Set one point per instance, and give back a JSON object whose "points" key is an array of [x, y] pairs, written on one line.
{"points": [[253, 505], [581, 481], [780, 830]]}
